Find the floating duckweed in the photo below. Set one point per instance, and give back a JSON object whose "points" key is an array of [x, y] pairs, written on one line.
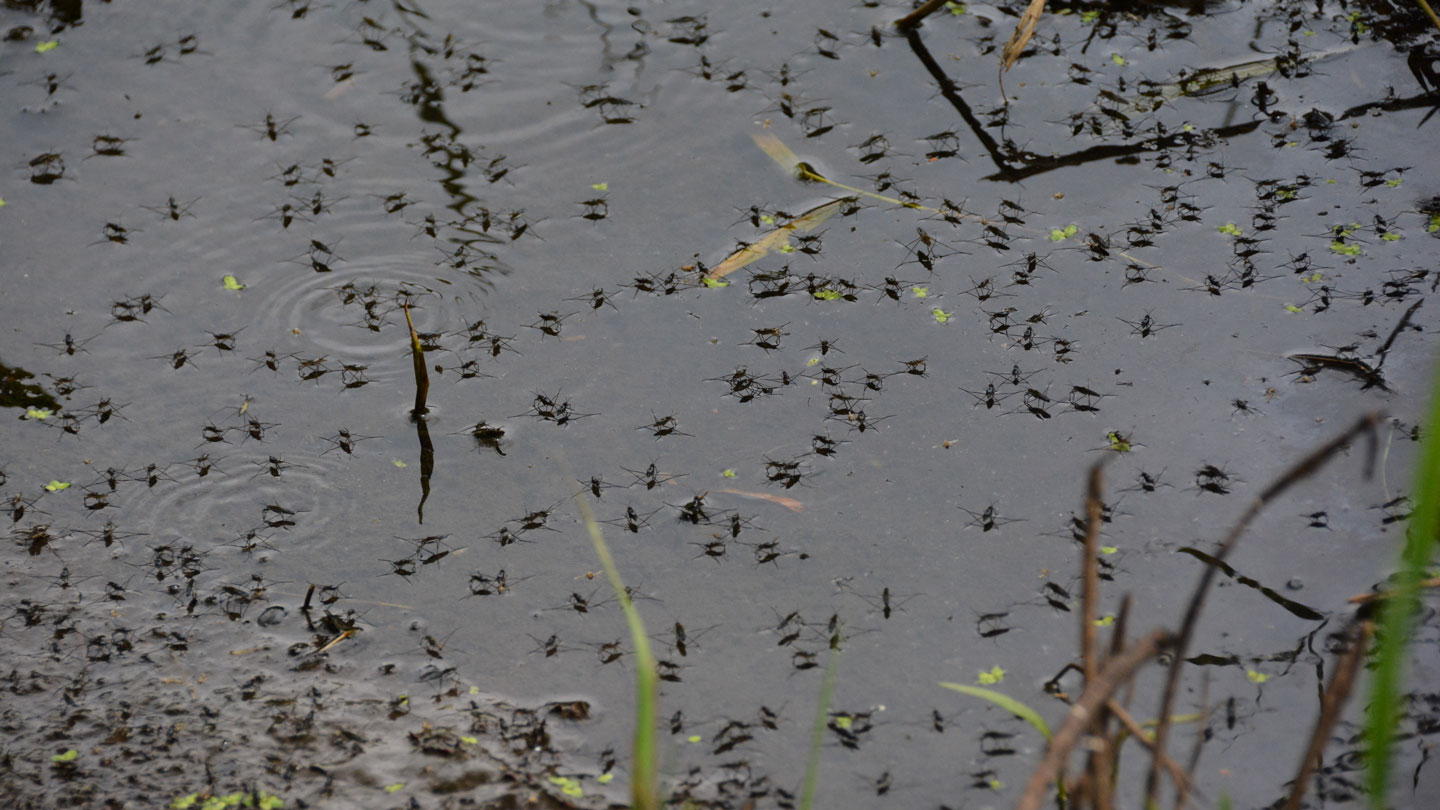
{"points": [[1231, 229], [995, 675], [56, 486], [1256, 677]]}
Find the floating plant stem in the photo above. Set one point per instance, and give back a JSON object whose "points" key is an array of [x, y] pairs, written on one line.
{"points": [[422, 376], [644, 776]]}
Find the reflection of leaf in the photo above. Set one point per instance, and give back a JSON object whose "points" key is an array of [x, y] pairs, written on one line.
{"points": [[1005, 702], [779, 238]]}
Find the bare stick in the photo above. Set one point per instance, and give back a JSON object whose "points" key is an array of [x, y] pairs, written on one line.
{"points": [[1090, 592], [1299, 471], [422, 376], [1340, 684], [1024, 30], [1117, 671], [913, 18], [1098, 763]]}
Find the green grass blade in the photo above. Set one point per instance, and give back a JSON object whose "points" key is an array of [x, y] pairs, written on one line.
{"points": [[1005, 702], [645, 777], [817, 734], [1397, 614]]}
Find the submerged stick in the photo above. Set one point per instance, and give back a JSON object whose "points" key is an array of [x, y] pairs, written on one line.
{"points": [[422, 376], [1297, 472]]}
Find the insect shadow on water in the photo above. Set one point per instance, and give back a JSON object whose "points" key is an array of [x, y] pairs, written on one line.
{"points": [[497, 584], [551, 408], [1213, 479], [885, 602], [549, 323], [1146, 326], [651, 477], [69, 345], [663, 426], [633, 521], [989, 519], [271, 127]]}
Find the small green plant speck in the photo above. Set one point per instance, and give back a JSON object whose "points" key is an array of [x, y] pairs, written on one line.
{"points": [[70, 755], [941, 316], [47, 46], [1230, 229], [923, 292], [232, 283], [995, 675], [827, 295], [1256, 677], [601, 186], [715, 283], [1345, 248], [1061, 234], [38, 413], [57, 486]]}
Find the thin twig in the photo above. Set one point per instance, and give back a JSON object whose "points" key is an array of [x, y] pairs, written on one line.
{"points": [[913, 18], [1177, 774], [1341, 683], [1299, 471], [1098, 763], [1116, 672]]}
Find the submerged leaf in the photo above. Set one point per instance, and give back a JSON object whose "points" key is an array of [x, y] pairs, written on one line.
{"points": [[779, 238]]}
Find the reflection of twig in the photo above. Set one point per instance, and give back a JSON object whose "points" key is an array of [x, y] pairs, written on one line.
{"points": [[913, 19], [1340, 684], [1302, 469], [1014, 168]]}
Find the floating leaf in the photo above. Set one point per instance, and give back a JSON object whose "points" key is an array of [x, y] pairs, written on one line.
{"points": [[778, 152], [941, 316], [232, 283], [714, 283], [57, 486], [184, 802], [395, 787], [1392, 236], [828, 295], [995, 784], [601, 187], [843, 721], [1119, 442], [70, 755], [47, 46], [955, 9], [605, 778], [1395, 183], [470, 740], [1434, 225], [728, 473], [270, 802], [1061, 234], [1293, 308], [1109, 549], [694, 738], [2, 202], [1256, 677], [994, 676], [920, 292], [779, 239], [1345, 248], [1005, 702], [1230, 228], [1105, 621], [38, 413], [398, 463], [1117, 59]]}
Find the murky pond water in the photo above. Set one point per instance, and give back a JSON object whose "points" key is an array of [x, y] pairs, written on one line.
{"points": [[238, 564]]}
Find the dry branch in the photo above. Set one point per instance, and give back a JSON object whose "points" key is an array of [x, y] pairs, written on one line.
{"points": [[1024, 30], [1299, 471], [1116, 672]]}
